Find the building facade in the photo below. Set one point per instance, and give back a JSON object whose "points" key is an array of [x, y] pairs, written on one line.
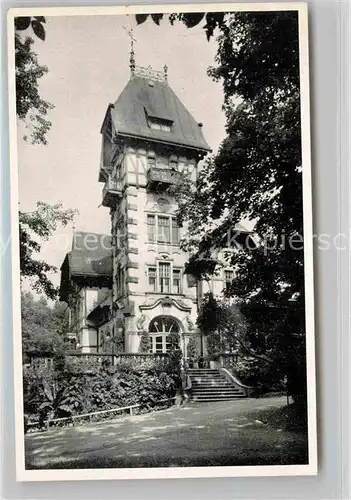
{"points": [[150, 145]]}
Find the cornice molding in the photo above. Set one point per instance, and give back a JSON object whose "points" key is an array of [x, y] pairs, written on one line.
{"points": [[168, 302]]}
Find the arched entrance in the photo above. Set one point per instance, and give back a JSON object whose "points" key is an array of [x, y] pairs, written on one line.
{"points": [[160, 329]]}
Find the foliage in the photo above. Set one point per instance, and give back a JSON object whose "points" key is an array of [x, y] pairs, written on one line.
{"points": [[60, 319], [223, 325], [51, 392], [264, 377], [43, 327], [256, 175], [30, 107], [173, 361], [35, 22], [190, 19], [227, 331], [192, 352], [41, 223], [144, 346], [35, 379], [33, 110], [63, 401]]}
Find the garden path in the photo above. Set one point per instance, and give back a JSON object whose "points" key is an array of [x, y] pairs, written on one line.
{"points": [[210, 434]]}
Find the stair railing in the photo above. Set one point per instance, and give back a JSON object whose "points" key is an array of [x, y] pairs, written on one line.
{"points": [[236, 381]]}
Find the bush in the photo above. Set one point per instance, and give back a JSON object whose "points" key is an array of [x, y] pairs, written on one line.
{"points": [[192, 348], [262, 376], [49, 393]]}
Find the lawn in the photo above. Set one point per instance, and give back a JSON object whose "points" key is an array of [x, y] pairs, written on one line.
{"points": [[242, 432]]}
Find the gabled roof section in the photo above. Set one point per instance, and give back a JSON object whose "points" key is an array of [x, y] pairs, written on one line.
{"points": [[90, 257], [91, 254], [143, 98]]}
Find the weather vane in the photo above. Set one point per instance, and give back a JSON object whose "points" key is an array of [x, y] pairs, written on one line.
{"points": [[130, 33]]}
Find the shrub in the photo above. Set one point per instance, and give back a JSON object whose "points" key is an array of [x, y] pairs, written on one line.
{"points": [[192, 348], [259, 374], [49, 393]]}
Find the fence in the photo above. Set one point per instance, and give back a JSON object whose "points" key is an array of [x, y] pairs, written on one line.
{"points": [[116, 359], [225, 359], [97, 359], [91, 415]]}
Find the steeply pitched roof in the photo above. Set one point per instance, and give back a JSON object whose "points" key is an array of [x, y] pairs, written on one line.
{"points": [[90, 257], [142, 98]]}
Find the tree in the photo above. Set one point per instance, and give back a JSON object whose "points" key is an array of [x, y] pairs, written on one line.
{"points": [[40, 333], [60, 319], [41, 223], [256, 175], [30, 107], [191, 351], [226, 329], [32, 110]]}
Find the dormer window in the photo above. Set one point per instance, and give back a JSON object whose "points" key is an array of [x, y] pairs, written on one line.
{"points": [[158, 123]]}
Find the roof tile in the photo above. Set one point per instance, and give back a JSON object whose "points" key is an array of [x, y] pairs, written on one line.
{"points": [[159, 101]]}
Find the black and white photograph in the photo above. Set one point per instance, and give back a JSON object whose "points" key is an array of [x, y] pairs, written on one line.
{"points": [[162, 241]]}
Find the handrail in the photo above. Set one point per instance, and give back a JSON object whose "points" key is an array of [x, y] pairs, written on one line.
{"points": [[100, 412], [116, 355], [83, 415], [235, 379], [112, 184], [141, 354], [92, 354]]}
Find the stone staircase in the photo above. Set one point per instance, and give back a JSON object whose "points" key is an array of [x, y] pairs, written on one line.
{"points": [[209, 385]]}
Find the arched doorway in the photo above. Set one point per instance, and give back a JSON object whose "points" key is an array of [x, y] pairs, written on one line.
{"points": [[160, 329]]}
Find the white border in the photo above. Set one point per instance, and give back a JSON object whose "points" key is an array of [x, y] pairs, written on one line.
{"points": [[177, 472]]}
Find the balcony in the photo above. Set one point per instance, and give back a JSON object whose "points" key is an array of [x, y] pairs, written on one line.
{"points": [[111, 192], [162, 178]]}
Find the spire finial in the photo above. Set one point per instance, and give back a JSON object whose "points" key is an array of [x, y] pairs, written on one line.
{"points": [[165, 71], [73, 232], [132, 53]]}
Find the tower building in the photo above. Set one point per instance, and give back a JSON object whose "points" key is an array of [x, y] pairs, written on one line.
{"points": [[130, 283], [150, 143]]}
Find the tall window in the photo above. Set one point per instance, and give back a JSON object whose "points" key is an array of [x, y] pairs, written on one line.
{"points": [[176, 281], [175, 232], [162, 229], [159, 329], [151, 228], [152, 278], [164, 278], [228, 278]]}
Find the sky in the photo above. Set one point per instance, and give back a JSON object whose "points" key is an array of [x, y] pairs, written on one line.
{"points": [[88, 62]]}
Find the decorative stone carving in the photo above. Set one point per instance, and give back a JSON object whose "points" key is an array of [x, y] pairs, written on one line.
{"points": [[163, 204], [151, 74], [140, 324], [166, 302], [189, 323]]}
